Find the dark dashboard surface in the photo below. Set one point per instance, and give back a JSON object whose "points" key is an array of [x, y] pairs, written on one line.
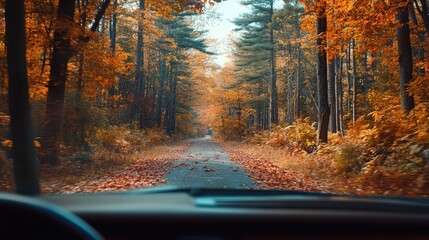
{"points": [[183, 215]]}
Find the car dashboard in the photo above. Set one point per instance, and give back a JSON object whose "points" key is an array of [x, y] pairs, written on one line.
{"points": [[212, 214]]}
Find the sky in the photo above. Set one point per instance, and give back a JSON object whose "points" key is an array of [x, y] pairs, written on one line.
{"points": [[218, 22]]}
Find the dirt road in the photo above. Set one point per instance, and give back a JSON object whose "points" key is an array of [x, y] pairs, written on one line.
{"points": [[207, 165]]}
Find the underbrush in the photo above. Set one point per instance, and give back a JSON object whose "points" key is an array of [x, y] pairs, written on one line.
{"points": [[394, 152], [297, 138], [109, 150], [71, 171], [386, 152], [122, 139]]}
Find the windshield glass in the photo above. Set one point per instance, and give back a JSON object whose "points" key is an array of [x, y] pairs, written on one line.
{"points": [[319, 96]]}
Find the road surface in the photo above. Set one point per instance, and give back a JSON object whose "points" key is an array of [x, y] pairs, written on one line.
{"points": [[208, 166]]}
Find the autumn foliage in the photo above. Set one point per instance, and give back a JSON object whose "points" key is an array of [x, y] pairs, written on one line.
{"points": [[88, 106], [141, 75], [377, 145]]}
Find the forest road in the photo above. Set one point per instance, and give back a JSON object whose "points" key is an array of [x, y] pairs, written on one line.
{"points": [[208, 166]]}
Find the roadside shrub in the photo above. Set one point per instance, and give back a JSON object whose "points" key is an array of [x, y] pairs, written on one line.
{"points": [[232, 129], [81, 120], [258, 138], [298, 137], [386, 152], [346, 158], [114, 138], [123, 139]]}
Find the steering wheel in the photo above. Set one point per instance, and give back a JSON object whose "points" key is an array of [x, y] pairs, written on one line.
{"points": [[23, 217]]}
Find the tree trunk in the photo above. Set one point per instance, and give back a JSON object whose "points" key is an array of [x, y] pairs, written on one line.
{"points": [[422, 38], [424, 13], [81, 133], [112, 27], [139, 72], [259, 115], [99, 15], [274, 109], [298, 81], [322, 74], [112, 34], [173, 119], [160, 93], [83, 8], [354, 83], [79, 87], [405, 58], [58, 76], [171, 105], [289, 99], [298, 64], [57, 81], [339, 94], [25, 166], [349, 77], [365, 78], [332, 96], [267, 121], [82, 122]]}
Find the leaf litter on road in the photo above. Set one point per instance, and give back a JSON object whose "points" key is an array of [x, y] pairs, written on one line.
{"points": [[269, 175], [147, 172]]}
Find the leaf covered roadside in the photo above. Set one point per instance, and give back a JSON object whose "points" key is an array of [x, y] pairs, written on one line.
{"points": [[111, 171], [385, 156], [149, 170], [267, 173]]}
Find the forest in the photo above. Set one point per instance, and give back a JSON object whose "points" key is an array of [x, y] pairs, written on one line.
{"points": [[336, 91]]}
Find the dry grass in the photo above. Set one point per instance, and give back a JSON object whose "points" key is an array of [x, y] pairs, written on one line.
{"points": [[334, 169], [309, 164]]}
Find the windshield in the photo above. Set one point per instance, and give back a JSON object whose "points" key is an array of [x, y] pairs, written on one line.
{"points": [[318, 96]]}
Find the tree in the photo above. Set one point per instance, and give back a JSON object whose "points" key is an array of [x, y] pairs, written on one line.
{"points": [[186, 38], [24, 154], [57, 79], [290, 36], [322, 72], [61, 54], [423, 10], [332, 95], [405, 57], [256, 50], [139, 70]]}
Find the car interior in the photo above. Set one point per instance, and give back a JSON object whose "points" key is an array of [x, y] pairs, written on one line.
{"points": [[174, 212]]}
